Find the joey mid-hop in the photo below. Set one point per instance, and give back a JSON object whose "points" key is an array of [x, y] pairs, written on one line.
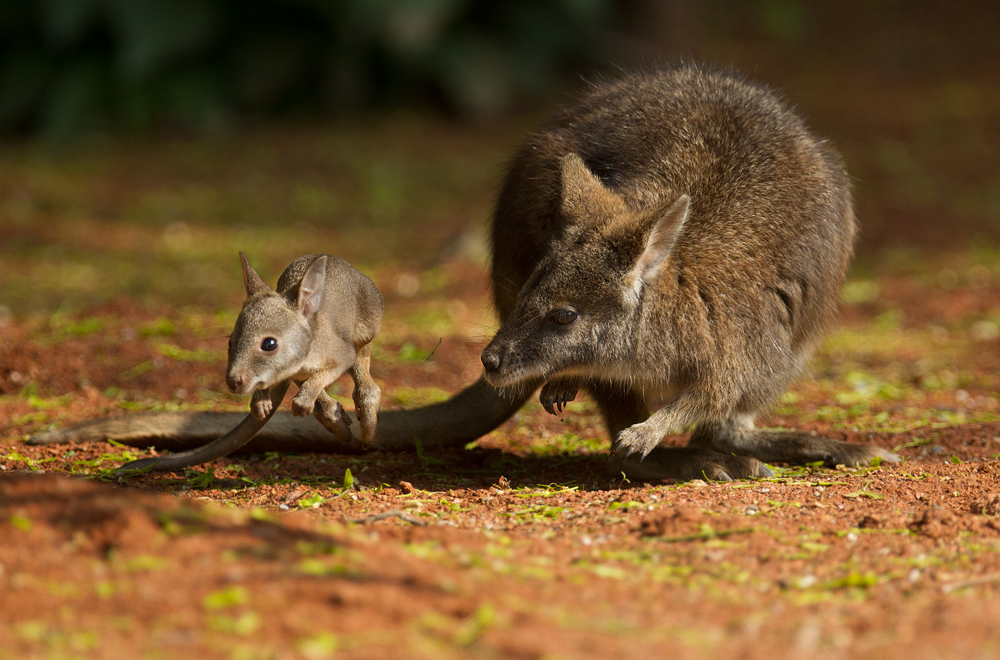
{"points": [[317, 325]]}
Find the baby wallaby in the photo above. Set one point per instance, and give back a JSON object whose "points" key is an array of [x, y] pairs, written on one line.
{"points": [[317, 325]]}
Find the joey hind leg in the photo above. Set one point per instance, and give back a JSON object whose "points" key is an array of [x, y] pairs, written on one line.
{"points": [[309, 391], [367, 394], [738, 435], [557, 393], [331, 415], [628, 422]]}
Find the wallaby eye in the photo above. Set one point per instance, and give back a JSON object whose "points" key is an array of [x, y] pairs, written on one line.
{"points": [[269, 344], [563, 316]]}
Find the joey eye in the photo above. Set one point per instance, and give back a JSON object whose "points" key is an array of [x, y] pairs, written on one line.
{"points": [[269, 344], [563, 316]]}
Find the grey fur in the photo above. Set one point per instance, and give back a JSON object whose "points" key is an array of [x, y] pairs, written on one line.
{"points": [[677, 236], [317, 325]]}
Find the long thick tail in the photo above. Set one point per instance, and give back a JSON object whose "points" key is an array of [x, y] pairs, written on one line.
{"points": [[470, 414]]}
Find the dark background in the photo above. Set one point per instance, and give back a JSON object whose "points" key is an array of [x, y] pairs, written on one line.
{"points": [[907, 89]]}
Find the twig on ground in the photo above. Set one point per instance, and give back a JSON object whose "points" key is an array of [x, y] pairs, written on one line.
{"points": [[971, 582], [395, 513]]}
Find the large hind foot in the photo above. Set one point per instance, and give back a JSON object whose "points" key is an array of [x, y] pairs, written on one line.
{"points": [[331, 414], [739, 436], [685, 464]]}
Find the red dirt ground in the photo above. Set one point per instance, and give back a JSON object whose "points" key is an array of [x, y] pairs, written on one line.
{"points": [[522, 547]]}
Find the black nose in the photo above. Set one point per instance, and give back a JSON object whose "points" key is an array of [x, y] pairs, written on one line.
{"points": [[491, 360]]}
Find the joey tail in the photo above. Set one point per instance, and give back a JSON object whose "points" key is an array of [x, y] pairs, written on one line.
{"points": [[470, 414]]}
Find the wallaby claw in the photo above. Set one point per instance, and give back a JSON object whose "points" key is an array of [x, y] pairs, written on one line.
{"points": [[556, 394], [636, 440]]}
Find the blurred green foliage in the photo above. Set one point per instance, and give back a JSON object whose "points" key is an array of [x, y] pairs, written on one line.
{"points": [[68, 66]]}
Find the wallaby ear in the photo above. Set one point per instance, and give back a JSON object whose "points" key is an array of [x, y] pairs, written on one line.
{"points": [[661, 240], [583, 194], [251, 280], [311, 288]]}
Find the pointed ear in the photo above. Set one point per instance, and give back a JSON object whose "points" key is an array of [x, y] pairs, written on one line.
{"points": [[583, 194], [251, 280], [311, 288], [661, 240]]}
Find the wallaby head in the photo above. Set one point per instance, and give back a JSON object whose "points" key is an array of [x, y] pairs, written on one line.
{"points": [[578, 312], [274, 331]]}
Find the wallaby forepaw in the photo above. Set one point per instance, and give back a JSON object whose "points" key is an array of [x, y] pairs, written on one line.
{"points": [[555, 395], [637, 441], [261, 408]]}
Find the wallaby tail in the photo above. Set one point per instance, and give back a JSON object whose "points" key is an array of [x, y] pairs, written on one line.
{"points": [[470, 414], [473, 412]]}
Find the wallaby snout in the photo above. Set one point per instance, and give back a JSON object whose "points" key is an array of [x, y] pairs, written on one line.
{"points": [[492, 361], [236, 383]]}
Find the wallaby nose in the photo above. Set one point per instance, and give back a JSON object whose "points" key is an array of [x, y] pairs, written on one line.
{"points": [[234, 382], [491, 360]]}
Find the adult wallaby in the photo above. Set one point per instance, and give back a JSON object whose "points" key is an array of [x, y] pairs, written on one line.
{"points": [[317, 325], [675, 236]]}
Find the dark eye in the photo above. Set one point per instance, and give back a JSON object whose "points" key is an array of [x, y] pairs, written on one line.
{"points": [[269, 344], [563, 316]]}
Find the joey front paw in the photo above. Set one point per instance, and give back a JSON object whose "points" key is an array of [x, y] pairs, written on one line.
{"points": [[555, 395], [261, 407]]}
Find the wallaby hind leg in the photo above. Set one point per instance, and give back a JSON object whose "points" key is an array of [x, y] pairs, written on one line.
{"points": [[623, 408], [311, 389], [557, 393], [366, 394], [332, 415], [739, 436]]}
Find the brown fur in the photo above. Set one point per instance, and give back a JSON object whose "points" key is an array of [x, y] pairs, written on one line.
{"points": [[675, 236]]}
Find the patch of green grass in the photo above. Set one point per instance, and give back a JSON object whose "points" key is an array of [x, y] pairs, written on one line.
{"points": [[418, 396], [535, 513], [243, 624], [224, 598], [319, 646], [183, 355], [567, 443]]}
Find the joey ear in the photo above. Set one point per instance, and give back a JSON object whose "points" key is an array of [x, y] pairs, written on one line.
{"points": [[583, 194], [251, 280], [311, 288], [661, 240]]}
